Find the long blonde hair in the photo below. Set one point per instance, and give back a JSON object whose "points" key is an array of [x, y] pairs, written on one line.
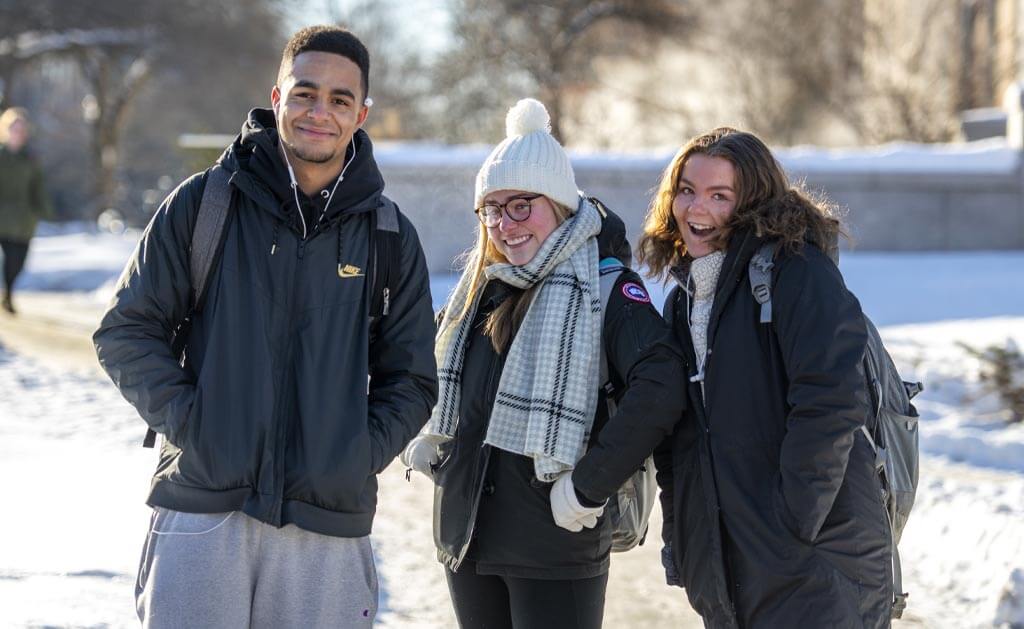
{"points": [[505, 319], [765, 202]]}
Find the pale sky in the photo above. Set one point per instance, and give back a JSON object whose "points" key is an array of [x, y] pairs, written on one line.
{"points": [[425, 21]]}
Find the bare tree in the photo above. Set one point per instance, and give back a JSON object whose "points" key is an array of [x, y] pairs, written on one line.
{"points": [[784, 64], [120, 47], [399, 73], [910, 76], [878, 70], [520, 47]]}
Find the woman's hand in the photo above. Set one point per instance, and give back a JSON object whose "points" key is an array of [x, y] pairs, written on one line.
{"points": [[566, 508], [422, 454]]}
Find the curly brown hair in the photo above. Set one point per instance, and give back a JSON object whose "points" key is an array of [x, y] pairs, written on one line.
{"points": [[766, 203]]}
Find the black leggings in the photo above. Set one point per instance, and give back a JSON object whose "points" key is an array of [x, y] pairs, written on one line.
{"points": [[496, 602], [15, 253]]}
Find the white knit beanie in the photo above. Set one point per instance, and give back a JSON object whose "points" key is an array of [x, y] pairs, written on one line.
{"points": [[528, 159]]}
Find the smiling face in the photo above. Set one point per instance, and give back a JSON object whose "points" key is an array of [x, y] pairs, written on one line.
{"points": [[519, 241], [318, 106], [705, 200]]}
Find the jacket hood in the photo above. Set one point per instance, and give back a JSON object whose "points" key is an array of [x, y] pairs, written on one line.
{"points": [[260, 172]]}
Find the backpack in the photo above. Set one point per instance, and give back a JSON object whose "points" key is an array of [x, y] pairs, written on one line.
{"points": [[208, 236], [630, 508], [892, 428]]}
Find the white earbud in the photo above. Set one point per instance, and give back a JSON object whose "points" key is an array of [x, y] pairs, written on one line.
{"points": [[368, 101]]}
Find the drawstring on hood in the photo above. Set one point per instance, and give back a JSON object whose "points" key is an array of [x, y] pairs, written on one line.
{"points": [[295, 191], [322, 224], [329, 196]]}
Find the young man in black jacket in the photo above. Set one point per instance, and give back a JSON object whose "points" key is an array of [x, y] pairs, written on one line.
{"points": [[265, 490]]}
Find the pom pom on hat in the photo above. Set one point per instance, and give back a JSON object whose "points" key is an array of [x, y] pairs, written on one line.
{"points": [[528, 159], [527, 116]]}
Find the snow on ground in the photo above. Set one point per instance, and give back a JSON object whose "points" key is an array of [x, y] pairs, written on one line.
{"points": [[983, 156], [74, 477]]}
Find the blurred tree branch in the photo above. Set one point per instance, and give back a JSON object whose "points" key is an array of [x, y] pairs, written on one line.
{"points": [[119, 47], [508, 49]]}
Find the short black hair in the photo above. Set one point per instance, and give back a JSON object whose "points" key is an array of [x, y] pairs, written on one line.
{"points": [[333, 39]]}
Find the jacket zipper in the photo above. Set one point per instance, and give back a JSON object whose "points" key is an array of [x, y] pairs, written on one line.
{"points": [[691, 351], [481, 472], [476, 505], [284, 423]]}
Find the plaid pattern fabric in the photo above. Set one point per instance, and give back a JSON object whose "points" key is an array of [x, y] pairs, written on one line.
{"points": [[547, 395]]}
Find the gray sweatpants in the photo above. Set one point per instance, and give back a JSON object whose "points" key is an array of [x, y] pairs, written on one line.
{"points": [[228, 570]]}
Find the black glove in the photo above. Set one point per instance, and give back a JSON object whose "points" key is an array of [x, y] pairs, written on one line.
{"points": [[669, 563]]}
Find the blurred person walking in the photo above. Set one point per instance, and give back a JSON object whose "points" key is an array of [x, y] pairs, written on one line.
{"points": [[266, 486], [524, 446], [773, 512], [23, 199]]}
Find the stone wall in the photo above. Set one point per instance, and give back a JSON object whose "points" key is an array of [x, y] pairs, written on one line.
{"points": [[909, 198]]}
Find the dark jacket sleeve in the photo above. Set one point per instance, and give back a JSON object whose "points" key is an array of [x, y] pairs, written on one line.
{"points": [[152, 297], [666, 487], [645, 360], [822, 337], [403, 373], [663, 460]]}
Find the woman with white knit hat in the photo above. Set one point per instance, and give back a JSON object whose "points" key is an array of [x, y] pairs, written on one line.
{"points": [[523, 446]]}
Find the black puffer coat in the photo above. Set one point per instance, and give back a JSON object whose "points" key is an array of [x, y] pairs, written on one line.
{"points": [[270, 414], [770, 496], [488, 505]]}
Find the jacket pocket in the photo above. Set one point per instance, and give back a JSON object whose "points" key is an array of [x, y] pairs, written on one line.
{"points": [[171, 522], [784, 518], [178, 433]]}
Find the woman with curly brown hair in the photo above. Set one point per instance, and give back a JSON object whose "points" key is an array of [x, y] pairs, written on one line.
{"points": [[773, 511]]}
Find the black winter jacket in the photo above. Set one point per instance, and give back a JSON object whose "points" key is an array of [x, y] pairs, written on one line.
{"points": [[489, 506], [270, 413], [769, 492]]}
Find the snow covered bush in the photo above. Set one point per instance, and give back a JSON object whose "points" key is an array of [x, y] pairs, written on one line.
{"points": [[1002, 372]]}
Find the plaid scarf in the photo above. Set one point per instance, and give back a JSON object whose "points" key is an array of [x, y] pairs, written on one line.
{"points": [[547, 394]]}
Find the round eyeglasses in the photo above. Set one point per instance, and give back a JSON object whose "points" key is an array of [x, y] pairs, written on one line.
{"points": [[517, 208]]}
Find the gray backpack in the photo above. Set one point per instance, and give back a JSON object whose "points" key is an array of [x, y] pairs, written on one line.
{"points": [[892, 430], [630, 508]]}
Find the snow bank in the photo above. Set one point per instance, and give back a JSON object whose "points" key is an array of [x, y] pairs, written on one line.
{"points": [[992, 156]]}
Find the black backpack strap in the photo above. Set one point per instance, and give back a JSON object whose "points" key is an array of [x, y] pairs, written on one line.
{"points": [[206, 240], [209, 230], [609, 271], [386, 249], [760, 271]]}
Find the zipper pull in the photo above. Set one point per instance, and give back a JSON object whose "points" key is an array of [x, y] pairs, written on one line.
{"points": [[387, 301]]}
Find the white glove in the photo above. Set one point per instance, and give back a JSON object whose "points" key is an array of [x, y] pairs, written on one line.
{"points": [[422, 453], [566, 508]]}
